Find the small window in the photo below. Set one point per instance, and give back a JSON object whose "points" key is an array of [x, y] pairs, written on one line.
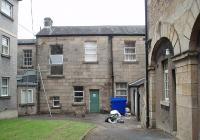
{"points": [[5, 45], [4, 86], [56, 101], [166, 80], [129, 51], [26, 96], [121, 90], [78, 94], [27, 58], [56, 60], [90, 51], [7, 8]]}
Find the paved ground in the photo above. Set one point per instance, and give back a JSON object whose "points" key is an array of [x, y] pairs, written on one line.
{"points": [[129, 130]]}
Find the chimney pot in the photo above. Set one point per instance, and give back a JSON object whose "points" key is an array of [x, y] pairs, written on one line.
{"points": [[48, 22]]}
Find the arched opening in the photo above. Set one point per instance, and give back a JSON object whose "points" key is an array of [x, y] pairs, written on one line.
{"points": [[195, 46], [165, 81]]}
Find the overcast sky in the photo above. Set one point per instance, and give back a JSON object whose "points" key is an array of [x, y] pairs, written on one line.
{"points": [[78, 13]]}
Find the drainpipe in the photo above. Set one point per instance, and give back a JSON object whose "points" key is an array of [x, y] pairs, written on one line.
{"points": [[146, 70], [110, 38], [38, 83]]}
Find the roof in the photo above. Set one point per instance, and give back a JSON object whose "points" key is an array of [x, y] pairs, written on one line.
{"points": [[26, 41], [91, 30], [137, 82]]}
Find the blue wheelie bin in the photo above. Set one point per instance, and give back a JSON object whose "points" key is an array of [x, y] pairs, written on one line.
{"points": [[118, 104]]}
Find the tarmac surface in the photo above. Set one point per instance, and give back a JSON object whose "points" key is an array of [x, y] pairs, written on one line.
{"points": [[129, 130]]}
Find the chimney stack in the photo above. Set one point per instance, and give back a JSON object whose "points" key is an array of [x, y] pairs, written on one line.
{"points": [[48, 22]]}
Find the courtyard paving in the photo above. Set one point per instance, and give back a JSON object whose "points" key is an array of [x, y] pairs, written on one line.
{"points": [[129, 130]]}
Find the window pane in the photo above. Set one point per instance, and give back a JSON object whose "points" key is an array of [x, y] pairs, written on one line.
{"points": [[23, 97], [130, 50], [6, 8], [57, 70], [56, 49], [56, 103], [30, 96], [4, 91], [77, 99], [56, 59], [78, 94], [5, 41], [91, 57], [4, 82]]}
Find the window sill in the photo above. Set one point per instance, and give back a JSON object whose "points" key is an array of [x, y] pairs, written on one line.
{"points": [[6, 56], [27, 67], [78, 104], [56, 107], [5, 15], [130, 62], [55, 76], [27, 104], [164, 103], [90, 62], [5, 97]]}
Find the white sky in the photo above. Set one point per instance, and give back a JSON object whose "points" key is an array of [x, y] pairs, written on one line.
{"points": [[78, 13]]}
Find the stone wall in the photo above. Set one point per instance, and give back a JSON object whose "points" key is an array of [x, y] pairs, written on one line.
{"points": [[8, 64], [128, 72], [89, 75], [174, 20]]}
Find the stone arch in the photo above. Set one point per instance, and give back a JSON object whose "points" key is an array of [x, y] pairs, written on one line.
{"points": [[194, 49], [168, 31]]}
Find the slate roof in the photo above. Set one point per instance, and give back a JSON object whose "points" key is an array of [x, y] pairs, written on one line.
{"points": [[26, 41], [91, 30]]}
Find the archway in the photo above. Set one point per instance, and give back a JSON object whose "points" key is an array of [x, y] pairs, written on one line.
{"points": [[195, 48], [164, 90]]}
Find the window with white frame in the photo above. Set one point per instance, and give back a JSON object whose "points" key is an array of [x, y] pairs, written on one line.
{"points": [[27, 58], [7, 8], [4, 86], [129, 51], [166, 80], [121, 90], [56, 60], [90, 51], [26, 96], [56, 101], [78, 94], [5, 45]]}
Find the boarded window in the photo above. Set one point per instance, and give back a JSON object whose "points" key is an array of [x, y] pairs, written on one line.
{"points": [[90, 51], [26, 96]]}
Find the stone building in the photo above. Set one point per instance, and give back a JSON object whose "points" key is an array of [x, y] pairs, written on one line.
{"points": [[27, 82], [83, 66], [8, 58], [173, 54]]}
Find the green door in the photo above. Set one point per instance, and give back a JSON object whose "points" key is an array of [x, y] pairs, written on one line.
{"points": [[94, 101]]}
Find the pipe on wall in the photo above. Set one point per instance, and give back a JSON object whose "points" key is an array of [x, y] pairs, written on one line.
{"points": [[146, 61]]}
